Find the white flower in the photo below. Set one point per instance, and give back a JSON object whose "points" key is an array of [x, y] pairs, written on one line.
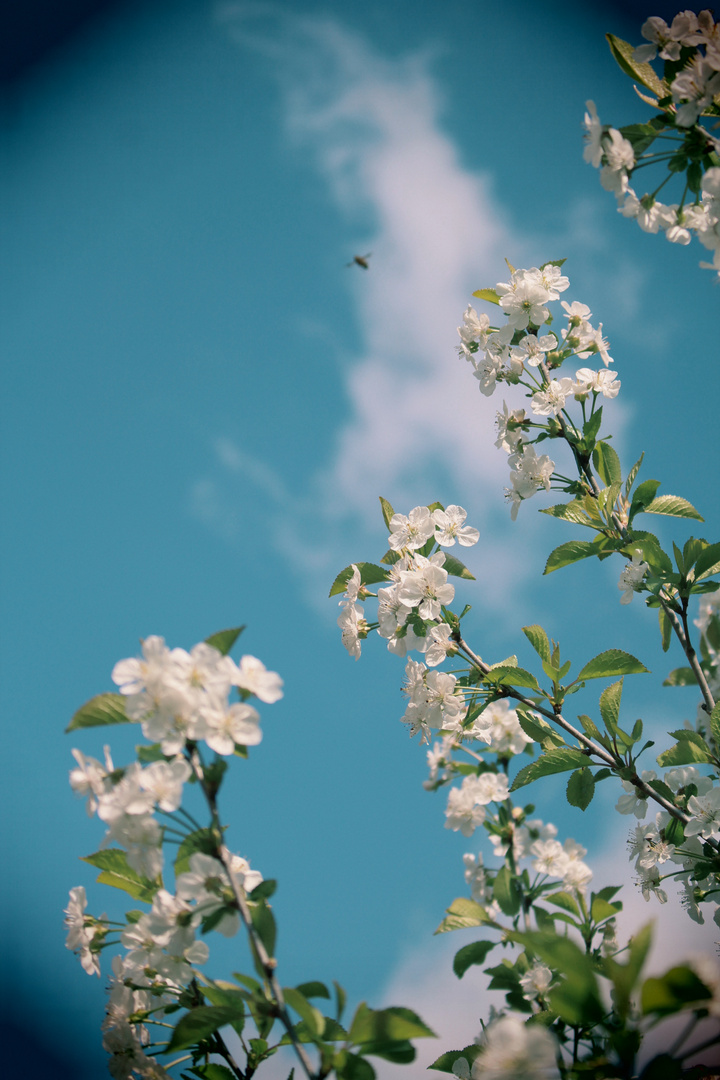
{"points": [[536, 981], [516, 1051], [509, 434], [593, 137], [353, 625], [631, 578], [426, 589], [475, 327], [498, 726], [81, 931], [227, 726], [523, 299], [254, 677], [463, 813], [438, 644], [705, 820], [411, 531], [634, 801], [449, 527], [603, 382], [620, 159], [551, 400], [164, 781], [90, 778], [477, 879]]}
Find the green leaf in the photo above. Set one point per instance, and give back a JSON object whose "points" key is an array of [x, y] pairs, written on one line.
{"points": [[644, 495], [632, 475], [204, 841], [456, 568], [386, 1025], [463, 913], [264, 891], [564, 900], [307, 1012], [539, 641], [581, 788], [198, 1024], [665, 629], [264, 922], [568, 553], [314, 989], [673, 506], [506, 891], [715, 724], [446, 1061], [213, 1071], [681, 676], [592, 426], [642, 73], [610, 706], [340, 999], [370, 574], [148, 754], [673, 991], [116, 872], [600, 910], [683, 753], [504, 675], [224, 640], [708, 562], [611, 662], [401, 1051], [487, 294], [573, 511], [607, 464], [562, 759], [350, 1066], [387, 511], [98, 711], [577, 998], [539, 730], [475, 953]]}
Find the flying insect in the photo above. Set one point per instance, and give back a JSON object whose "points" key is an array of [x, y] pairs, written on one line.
{"points": [[360, 260]]}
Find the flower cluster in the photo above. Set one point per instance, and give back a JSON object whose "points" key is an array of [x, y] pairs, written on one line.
{"points": [[181, 701], [410, 609], [690, 89], [518, 353], [649, 844]]}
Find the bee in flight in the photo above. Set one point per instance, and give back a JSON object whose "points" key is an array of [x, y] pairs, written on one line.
{"points": [[360, 260]]}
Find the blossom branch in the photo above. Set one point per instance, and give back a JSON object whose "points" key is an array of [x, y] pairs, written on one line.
{"points": [[267, 962]]}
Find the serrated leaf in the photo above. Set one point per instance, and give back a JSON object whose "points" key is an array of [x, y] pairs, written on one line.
{"points": [[386, 1025], [568, 553], [573, 511], [581, 788], [673, 506], [539, 640], [681, 676], [683, 753], [610, 706], [387, 511], [117, 872], [201, 840], [99, 711], [463, 913], [673, 991], [563, 900], [307, 1012], [665, 629], [197, 1024], [264, 922], [600, 909], [487, 294], [213, 1071], [504, 675], [611, 662], [562, 759], [632, 475], [642, 73], [607, 464], [314, 989], [457, 568], [224, 640], [592, 426], [715, 724], [370, 574], [506, 891], [475, 953], [708, 562], [447, 1060], [538, 730]]}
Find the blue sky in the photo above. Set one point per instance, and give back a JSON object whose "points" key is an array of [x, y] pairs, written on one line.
{"points": [[203, 404]]}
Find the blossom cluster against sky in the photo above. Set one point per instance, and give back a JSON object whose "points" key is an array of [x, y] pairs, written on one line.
{"points": [[205, 403]]}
